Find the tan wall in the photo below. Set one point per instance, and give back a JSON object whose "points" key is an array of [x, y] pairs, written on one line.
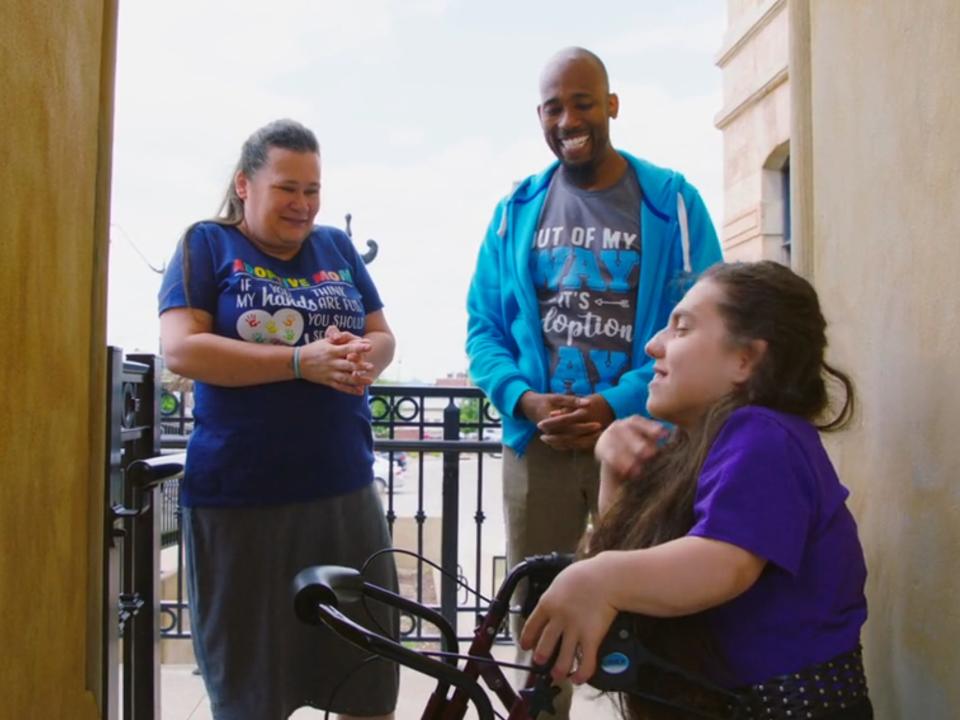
{"points": [[755, 121], [56, 65], [886, 222]]}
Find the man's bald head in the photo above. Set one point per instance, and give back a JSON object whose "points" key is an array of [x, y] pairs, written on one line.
{"points": [[565, 57], [575, 109]]}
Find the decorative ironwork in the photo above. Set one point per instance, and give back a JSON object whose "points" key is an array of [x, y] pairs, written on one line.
{"points": [[414, 427], [372, 247], [130, 548]]}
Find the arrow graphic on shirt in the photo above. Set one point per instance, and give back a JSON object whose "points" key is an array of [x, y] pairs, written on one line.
{"points": [[622, 303]]}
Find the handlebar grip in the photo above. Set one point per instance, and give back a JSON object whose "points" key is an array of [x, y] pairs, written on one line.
{"points": [[625, 664], [148, 472], [331, 585]]}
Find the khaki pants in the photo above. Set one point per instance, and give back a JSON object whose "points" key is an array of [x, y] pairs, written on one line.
{"points": [[548, 498]]}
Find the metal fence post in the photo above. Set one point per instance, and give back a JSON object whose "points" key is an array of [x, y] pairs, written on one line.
{"points": [[112, 540], [142, 630], [450, 519]]}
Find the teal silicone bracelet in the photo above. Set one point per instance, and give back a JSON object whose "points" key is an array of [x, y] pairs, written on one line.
{"points": [[296, 364]]}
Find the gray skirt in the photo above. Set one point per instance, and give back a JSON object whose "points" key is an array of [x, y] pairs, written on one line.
{"points": [[257, 660]]}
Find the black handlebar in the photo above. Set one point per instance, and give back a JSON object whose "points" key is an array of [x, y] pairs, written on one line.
{"points": [[320, 592], [330, 585], [624, 663], [146, 473]]}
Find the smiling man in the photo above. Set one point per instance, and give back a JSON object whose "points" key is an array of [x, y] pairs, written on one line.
{"points": [[580, 267]]}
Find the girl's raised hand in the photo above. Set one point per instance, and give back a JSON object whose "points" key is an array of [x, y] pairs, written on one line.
{"points": [[627, 445]]}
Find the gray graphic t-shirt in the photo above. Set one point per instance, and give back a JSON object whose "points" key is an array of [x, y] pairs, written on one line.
{"points": [[585, 263]]}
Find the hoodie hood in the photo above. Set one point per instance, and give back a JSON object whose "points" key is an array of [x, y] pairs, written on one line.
{"points": [[658, 185]]}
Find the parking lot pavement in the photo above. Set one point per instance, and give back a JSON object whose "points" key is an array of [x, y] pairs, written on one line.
{"points": [[487, 495]]}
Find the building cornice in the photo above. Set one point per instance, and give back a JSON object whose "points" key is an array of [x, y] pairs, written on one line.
{"points": [[728, 115], [748, 29]]}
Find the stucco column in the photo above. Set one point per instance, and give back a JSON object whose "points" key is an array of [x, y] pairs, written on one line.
{"points": [[801, 139]]}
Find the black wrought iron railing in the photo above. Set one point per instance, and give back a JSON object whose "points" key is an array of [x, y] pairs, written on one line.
{"points": [[130, 677], [438, 450]]}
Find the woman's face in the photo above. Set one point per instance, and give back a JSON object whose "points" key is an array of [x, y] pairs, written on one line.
{"points": [[281, 200], [695, 361]]}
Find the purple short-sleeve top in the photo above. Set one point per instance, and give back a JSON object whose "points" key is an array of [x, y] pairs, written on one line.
{"points": [[768, 486]]}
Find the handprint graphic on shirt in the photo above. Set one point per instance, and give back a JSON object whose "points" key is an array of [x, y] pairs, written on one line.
{"points": [[284, 327]]}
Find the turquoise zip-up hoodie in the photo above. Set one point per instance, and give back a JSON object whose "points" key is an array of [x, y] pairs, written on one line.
{"points": [[504, 336]]}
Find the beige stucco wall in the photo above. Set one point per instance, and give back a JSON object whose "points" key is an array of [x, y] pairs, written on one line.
{"points": [[56, 65], [885, 112], [755, 121]]}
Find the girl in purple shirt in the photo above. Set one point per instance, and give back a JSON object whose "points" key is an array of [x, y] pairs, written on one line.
{"points": [[729, 538]]}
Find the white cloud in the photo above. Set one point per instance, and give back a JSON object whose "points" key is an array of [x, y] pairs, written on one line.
{"points": [[405, 137], [680, 35], [677, 132], [195, 78], [429, 216]]}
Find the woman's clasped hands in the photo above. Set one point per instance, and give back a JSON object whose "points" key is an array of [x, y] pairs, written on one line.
{"points": [[338, 360]]}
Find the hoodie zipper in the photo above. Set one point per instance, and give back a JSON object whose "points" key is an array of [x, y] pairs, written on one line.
{"points": [[525, 287], [684, 233]]}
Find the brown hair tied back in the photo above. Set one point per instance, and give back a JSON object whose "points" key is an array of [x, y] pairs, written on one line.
{"points": [[286, 134], [768, 301]]}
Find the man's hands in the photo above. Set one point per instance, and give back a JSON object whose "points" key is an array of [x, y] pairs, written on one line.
{"points": [[338, 360], [539, 406], [567, 422]]}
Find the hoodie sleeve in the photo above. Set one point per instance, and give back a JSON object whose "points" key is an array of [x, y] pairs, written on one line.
{"points": [[629, 395], [490, 347], [704, 245]]}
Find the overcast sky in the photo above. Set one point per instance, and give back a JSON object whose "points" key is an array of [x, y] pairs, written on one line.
{"points": [[426, 114]]}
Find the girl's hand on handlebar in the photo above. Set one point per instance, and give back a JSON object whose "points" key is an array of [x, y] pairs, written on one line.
{"points": [[574, 613]]}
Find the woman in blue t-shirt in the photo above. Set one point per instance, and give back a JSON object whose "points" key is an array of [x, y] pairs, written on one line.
{"points": [[729, 538], [281, 328]]}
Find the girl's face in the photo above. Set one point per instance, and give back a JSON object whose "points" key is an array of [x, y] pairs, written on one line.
{"points": [[281, 200], [696, 362]]}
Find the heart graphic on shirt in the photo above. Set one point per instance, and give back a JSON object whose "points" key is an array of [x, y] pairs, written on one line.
{"points": [[284, 327]]}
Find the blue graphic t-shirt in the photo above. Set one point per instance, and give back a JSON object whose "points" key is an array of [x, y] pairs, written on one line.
{"points": [[278, 442], [585, 263]]}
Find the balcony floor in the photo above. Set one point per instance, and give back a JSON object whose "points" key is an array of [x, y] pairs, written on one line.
{"points": [[184, 698]]}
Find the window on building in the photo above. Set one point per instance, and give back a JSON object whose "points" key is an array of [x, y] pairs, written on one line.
{"points": [[785, 179], [775, 205]]}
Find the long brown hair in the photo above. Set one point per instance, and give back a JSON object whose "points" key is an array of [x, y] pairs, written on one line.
{"points": [[286, 134], [761, 301]]}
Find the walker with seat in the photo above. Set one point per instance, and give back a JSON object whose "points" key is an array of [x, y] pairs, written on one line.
{"points": [[624, 664]]}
